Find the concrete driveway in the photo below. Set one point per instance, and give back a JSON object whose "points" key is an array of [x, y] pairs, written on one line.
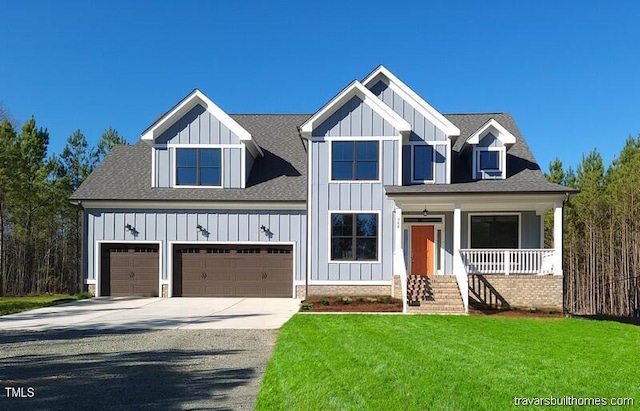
{"points": [[126, 313]]}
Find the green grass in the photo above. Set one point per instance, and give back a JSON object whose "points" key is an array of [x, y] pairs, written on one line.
{"points": [[380, 362], [11, 305]]}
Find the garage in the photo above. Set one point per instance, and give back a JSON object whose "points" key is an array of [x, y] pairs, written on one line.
{"points": [[129, 270], [233, 271]]}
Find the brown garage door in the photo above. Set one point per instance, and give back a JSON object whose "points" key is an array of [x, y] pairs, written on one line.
{"points": [[129, 271], [233, 271]]}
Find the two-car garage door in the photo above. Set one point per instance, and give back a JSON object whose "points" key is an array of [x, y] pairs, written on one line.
{"points": [[233, 271], [199, 271]]}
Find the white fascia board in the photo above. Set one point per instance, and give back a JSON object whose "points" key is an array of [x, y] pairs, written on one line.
{"points": [[502, 133], [193, 99], [354, 89], [478, 202], [196, 205], [413, 98]]}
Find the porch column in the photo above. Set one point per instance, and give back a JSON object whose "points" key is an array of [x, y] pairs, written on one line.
{"points": [[457, 228], [557, 239], [397, 244]]}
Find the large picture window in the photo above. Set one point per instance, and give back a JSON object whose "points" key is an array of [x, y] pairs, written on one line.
{"points": [[354, 237], [354, 160], [495, 231], [422, 163], [198, 167]]}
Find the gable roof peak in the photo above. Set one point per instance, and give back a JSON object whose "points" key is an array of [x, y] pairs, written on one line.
{"points": [[193, 99], [407, 94], [355, 88]]}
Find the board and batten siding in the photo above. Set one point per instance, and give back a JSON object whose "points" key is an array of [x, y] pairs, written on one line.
{"points": [[198, 126], [422, 128], [231, 166], [490, 141], [350, 196], [529, 229], [355, 119], [180, 225]]}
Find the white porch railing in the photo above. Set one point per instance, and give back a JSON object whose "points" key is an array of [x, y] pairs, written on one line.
{"points": [[501, 261]]}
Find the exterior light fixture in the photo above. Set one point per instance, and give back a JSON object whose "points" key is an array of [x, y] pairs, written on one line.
{"points": [[128, 227], [425, 212], [263, 228], [200, 228]]}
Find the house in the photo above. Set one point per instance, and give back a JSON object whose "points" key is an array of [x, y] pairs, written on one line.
{"points": [[377, 193]]}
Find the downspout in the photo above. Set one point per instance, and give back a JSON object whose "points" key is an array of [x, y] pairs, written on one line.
{"points": [[308, 188], [79, 245]]}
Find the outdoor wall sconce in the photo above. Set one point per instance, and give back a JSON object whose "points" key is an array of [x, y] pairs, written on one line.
{"points": [[263, 228], [201, 228], [425, 212], [128, 227]]}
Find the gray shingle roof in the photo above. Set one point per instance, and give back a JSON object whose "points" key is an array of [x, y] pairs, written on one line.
{"points": [[280, 175], [125, 174], [523, 172]]}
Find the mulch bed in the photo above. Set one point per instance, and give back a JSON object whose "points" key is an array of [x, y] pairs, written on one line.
{"points": [[360, 304]]}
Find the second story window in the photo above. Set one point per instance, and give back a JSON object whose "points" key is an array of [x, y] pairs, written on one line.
{"points": [[354, 160], [422, 163], [489, 160], [198, 167]]}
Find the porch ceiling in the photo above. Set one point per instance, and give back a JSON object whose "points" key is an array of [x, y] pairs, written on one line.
{"points": [[480, 202]]}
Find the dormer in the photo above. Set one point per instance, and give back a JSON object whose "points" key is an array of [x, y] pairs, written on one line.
{"points": [[487, 149], [197, 145]]}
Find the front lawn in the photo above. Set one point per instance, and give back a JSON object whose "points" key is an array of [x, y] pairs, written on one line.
{"points": [[389, 362], [11, 305]]}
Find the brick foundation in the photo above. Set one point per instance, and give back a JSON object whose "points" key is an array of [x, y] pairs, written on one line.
{"points": [[342, 290], [396, 287], [521, 291]]}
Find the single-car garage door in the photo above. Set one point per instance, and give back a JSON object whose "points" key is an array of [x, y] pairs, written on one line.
{"points": [[129, 270], [233, 271]]}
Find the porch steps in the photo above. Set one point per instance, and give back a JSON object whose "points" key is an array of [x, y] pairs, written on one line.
{"points": [[437, 294]]}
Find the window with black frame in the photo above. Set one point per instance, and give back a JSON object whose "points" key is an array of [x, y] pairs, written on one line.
{"points": [[495, 231], [354, 237], [198, 167], [354, 160]]}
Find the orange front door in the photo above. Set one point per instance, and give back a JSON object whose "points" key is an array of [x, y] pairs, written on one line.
{"points": [[422, 249]]}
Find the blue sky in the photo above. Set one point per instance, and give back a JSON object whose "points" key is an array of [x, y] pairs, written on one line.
{"points": [[568, 71]]}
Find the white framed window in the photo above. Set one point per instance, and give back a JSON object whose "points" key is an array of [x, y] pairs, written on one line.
{"points": [[423, 160], [495, 230], [198, 167], [355, 160], [489, 162], [354, 236]]}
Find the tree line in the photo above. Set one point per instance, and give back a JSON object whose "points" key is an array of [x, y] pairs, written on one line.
{"points": [[602, 233], [40, 231]]}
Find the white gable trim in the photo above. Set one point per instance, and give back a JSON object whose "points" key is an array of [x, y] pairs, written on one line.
{"points": [[193, 99], [354, 89], [413, 98], [499, 132]]}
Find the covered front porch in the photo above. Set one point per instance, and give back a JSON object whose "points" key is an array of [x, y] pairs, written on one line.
{"points": [[474, 240]]}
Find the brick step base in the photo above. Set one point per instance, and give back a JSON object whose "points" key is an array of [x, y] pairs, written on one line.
{"points": [[433, 295]]}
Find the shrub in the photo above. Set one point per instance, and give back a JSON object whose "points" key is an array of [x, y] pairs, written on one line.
{"points": [[345, 300], [386, 300], [532, 309], [306, 306], [371, 300], [325, 301], [361, 299], [553, 311]]}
